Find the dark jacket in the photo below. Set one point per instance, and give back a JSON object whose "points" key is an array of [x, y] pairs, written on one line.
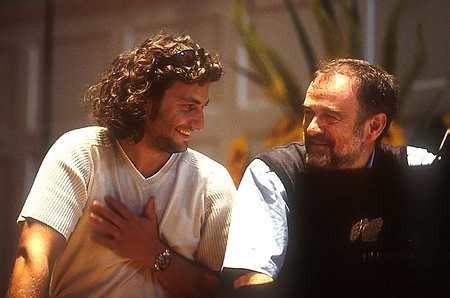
{"points": [[360, 233]]}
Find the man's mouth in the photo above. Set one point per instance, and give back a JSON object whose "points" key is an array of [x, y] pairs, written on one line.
{"points": [[315, 143], [184, 131], [317, 146]]}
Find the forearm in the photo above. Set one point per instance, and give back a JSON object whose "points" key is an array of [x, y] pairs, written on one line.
{"points": [[253, 291], [29, 278], [240, 283], [39, 246]]}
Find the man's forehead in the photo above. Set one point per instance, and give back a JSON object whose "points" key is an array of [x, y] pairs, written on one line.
{"points": [[192, 92], [331, 85]]}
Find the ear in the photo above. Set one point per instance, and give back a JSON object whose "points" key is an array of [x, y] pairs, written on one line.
{"points": [[376, 123], [150, 109], [148, 106]]}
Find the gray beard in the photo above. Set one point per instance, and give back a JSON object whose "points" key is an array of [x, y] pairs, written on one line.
{"points": [[330, 161]]}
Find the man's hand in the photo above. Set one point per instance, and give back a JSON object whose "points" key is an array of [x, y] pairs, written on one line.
{"points": [[123, 232], [137, 238]]}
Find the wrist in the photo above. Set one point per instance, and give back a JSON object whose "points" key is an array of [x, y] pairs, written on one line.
{"points": [[163, 260], [150, 253]]}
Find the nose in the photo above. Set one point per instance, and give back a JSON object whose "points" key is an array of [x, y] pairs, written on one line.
{"points": [[313, 128], [198, 120]]}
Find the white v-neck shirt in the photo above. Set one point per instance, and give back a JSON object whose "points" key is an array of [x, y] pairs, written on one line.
{"points": [[193, 194]]}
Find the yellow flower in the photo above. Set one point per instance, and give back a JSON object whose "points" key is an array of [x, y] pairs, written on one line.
{"points": [[237, 159], [446, 120], [395, 135]]}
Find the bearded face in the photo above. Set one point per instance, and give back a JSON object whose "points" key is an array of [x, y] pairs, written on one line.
{"points": [[334, 134], [330, 151], [178, 114]]}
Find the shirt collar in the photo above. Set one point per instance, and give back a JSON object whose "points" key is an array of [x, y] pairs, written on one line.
{"points": [[370, 161]]}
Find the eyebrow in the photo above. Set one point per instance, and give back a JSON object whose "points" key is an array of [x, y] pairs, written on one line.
{"points": [[195, 100], [326, 109]]}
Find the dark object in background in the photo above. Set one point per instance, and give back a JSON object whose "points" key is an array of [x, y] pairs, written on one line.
{"points": [[367, 233], [370, 233], [429, 134], [443, 155]]}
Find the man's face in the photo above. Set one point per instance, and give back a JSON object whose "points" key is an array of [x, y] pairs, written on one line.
{"points": [[333, 138], [179, 113]]}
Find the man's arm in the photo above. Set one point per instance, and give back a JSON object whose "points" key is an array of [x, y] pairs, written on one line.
{"points": [[39, 246], [242, 283], [137, 238], [251, 278], [257, 239], [184, 278]]}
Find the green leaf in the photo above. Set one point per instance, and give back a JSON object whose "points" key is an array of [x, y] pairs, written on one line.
{"points": [[251, 43], [273, 74], [328, 8], [420, 59], [293, 90], [303, 39], [328, 26], [250, 74], [389, 60], [352, 25]]}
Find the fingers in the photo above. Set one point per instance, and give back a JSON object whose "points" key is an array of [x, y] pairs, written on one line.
{"points": [[103, 227], [119, 208], [105, 214], [104, 241]]}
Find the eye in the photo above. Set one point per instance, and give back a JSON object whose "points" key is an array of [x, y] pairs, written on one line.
{"points": [[331, 118], [188, 107]]}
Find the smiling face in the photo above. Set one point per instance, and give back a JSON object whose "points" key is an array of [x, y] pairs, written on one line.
{"points": [[334, 136], [178, 114]]}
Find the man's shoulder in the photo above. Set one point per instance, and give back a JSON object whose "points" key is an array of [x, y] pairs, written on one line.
{"points": [[294, 149], [284, 157], [77, 144], [200, 161], [202, 168], [91, 135], [293, 146], [410, 155]]}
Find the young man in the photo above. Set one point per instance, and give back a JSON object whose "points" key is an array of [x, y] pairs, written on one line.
{"points": [[348, 107], [126, 209]]}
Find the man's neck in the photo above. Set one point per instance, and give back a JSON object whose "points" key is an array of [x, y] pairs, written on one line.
{"points": [[369, 163], [365, 158], [146, 160]]}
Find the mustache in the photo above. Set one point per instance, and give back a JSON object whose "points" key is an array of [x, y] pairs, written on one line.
{"points": [[319, 139]]}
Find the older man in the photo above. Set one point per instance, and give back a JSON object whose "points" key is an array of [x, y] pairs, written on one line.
{"points": [[301, 208]]}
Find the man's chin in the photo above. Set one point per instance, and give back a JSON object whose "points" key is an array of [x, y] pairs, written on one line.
{"points": [[178, 148], [175, 147], [319, 162]]}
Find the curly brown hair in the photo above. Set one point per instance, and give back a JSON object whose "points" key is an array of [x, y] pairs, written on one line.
{"points": [[144, 73]]}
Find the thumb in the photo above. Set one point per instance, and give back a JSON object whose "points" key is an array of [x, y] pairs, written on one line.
{"points": [[150, 209]]}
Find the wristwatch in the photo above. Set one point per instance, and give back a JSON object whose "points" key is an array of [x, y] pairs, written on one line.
{"points": [[162, 261]]}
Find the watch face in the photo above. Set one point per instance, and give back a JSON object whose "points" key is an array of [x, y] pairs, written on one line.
{"points": [[163, 260]]}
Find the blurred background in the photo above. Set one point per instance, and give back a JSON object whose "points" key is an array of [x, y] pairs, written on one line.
{"points": [[50, 51]]}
